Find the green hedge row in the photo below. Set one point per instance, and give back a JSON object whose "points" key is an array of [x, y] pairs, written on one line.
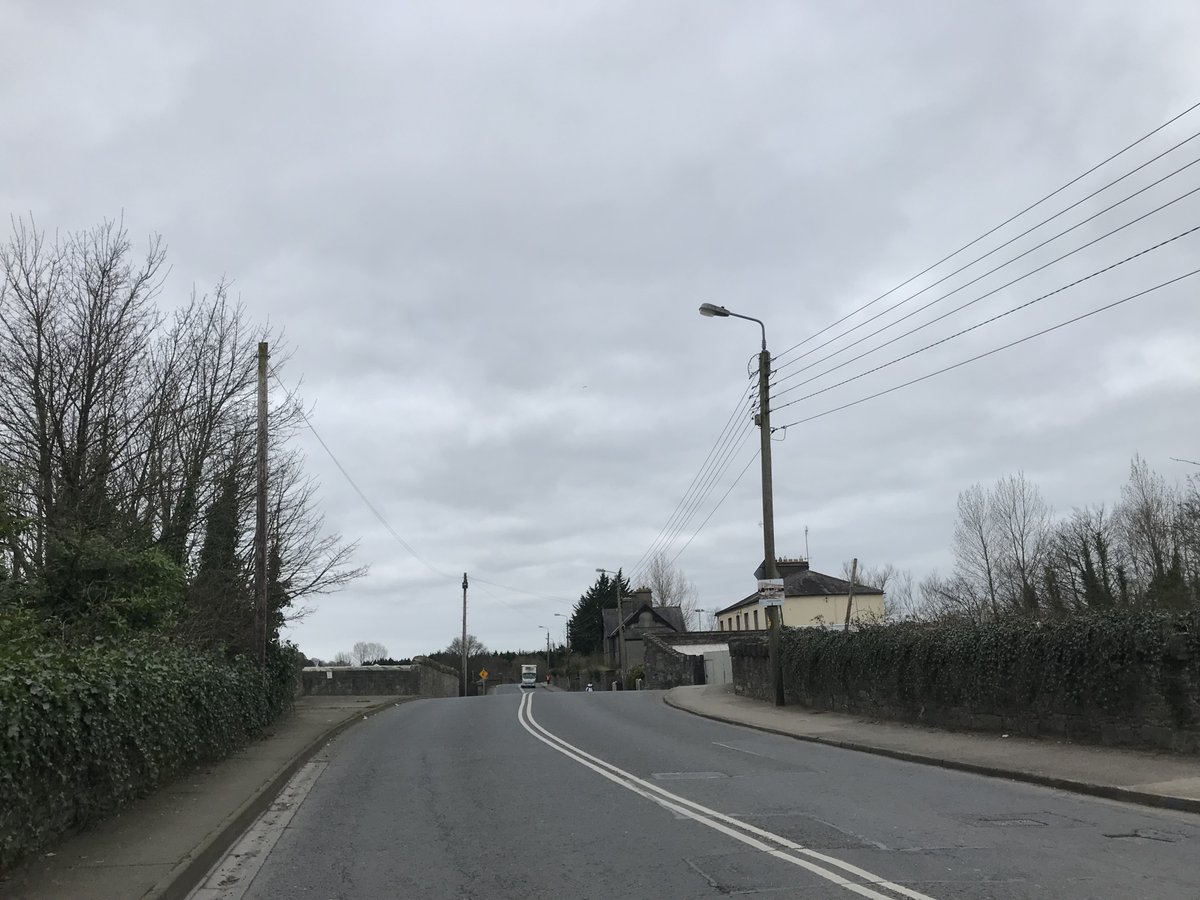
{"points": [[82, 732], [1105, 670]]}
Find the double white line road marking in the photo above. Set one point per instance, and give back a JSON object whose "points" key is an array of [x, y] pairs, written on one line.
{"points": [[854, 879]]}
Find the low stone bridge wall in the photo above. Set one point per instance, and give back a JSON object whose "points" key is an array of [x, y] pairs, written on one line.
{"points": [[424, 678]]}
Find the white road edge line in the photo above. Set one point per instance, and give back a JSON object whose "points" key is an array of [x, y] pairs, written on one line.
{"points": [[714, 819], [232, 876]]}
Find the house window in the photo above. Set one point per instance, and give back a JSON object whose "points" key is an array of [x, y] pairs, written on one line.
{"points": [[739, 621], [756, 620]]}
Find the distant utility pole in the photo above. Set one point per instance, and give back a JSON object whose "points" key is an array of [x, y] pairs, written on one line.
{"points": [[260, 515], [463, 692], [850, 596]]}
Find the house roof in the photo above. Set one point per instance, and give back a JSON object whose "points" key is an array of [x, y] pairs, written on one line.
{"points": [[670, 616], [610, 621], [800, 581]]}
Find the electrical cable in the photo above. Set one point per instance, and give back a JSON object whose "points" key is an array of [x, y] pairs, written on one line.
{"points": [[992, 271], [723, 463], [727, 433], [992, 231], [757, 453], [738, 408], [366, 501], [957, 334], [689, 502], [991, 352]]}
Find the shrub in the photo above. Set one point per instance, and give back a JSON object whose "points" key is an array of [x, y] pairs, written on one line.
{"points": [[1111, 668], [84, 731]]}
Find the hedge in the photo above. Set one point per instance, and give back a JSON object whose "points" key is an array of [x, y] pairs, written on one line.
{"points": [[83, 732], [1112, 677]]}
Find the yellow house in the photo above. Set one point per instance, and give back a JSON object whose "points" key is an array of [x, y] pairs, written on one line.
{"points": [[809, 598]]}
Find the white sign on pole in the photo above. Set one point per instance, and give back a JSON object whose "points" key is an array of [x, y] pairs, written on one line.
{"points": [[770, 591]]}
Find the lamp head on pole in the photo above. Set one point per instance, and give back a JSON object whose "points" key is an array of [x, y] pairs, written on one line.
{"points": [[711, 309]]}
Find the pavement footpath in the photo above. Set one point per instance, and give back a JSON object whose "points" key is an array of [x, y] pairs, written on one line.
{"points": [[161, 846], [1149, 778]]}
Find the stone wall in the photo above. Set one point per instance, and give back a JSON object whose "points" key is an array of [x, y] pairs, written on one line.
{"points": [[424, 678], [696, 637], [751, 668], [665, 667], [435, 679]]}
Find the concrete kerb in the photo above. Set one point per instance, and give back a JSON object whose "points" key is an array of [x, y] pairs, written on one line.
{"points": [[189, 872], [1107, 791]]}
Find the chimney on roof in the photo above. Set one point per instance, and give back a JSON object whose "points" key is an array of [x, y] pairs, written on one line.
{"points": [[786, 567]]}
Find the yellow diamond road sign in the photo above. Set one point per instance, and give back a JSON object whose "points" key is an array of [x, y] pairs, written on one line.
{"points": [[483, 674]]}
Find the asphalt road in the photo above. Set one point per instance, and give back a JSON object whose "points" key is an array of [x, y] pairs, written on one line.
{"points": [[616, 795]]}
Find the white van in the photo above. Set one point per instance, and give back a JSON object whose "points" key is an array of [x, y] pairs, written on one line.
{"points": [[528, 677]]}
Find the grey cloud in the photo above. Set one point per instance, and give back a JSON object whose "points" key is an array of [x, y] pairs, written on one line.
{"points": [[463, 214]]}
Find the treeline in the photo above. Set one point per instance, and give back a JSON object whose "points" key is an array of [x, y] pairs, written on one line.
{"points": [[1014, 557], [127, 452], [127, 495]]}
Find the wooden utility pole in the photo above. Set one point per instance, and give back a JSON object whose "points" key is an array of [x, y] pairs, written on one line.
{"points": [[770, 569], [260, 515], [850, 596], [464, 638]]}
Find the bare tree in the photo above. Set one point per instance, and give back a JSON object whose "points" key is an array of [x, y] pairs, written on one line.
{"points": [[975, 549], [474, 647], [1021, 531], [1085, 566], [367, 651], [1188, 529], [952, 597], [76, 318], [121, 432], [1147, 515], [896, 584], [341, 658], [670, 587], [313, 559]]}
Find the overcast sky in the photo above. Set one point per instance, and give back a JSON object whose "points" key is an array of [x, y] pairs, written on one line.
{"points": [[486, 228]]}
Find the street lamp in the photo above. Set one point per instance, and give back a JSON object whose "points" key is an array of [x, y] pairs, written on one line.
{"points": [[770, 587], [620, 625], [566, 630], [547, 630]]}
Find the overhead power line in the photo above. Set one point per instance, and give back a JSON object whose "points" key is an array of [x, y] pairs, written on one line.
{"points": [[728, 432], [362, 496], [992, 231], [993, 351], [718, 506], [992, 271], [693, 505], [958, 334], [387, 525]]}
